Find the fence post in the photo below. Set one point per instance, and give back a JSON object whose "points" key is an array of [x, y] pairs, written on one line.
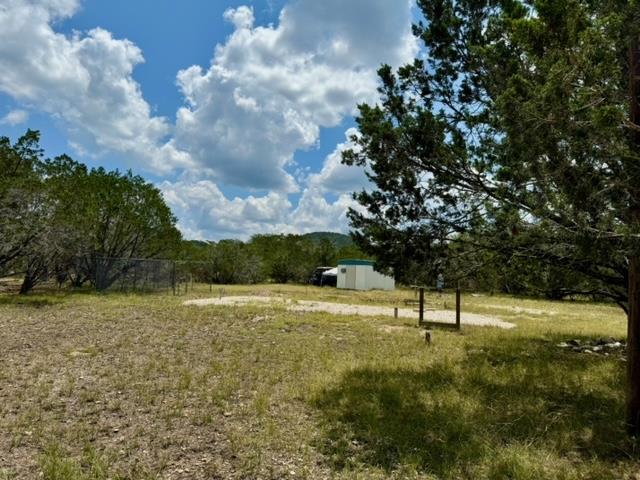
{"points": [[421, 309], [173, 278], [99, 274], [135, 275], [458, 306]]}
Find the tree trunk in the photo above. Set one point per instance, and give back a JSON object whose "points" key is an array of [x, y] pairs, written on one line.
{"points": [[633, 348], [27, 284], [633, 325]]}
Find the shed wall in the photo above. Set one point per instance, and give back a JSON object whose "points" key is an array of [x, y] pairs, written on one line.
{"points": [[363, 277], [342, 277]]}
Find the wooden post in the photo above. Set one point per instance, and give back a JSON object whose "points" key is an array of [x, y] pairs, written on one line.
{"points": [[395, 312], [458, 307], [633, 318], [135, 276], [173, 279], [421, 308], [633, 348]]}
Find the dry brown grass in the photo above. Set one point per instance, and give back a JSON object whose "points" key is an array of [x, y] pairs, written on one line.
{"points": [[116, 386]]}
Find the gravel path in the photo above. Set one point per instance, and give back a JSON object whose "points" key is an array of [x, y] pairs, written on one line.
{"points": [[444, 316]]}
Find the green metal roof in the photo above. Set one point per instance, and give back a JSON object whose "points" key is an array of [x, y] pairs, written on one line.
{"points": [[355, 261]]}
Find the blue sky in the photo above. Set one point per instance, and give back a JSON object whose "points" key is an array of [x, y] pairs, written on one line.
{"points": [[236, 110]]}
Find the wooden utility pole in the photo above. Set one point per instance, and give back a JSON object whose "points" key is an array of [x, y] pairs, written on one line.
{"points": [[633, 325]]}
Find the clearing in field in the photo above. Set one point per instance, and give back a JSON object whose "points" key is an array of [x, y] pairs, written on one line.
{"points": [[139, 387], [441, 316]]}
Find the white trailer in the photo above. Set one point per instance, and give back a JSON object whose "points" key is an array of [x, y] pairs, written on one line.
{"points": [[355, 274]]}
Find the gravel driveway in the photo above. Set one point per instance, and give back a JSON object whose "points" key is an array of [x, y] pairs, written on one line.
{"points": [[443, 316]]}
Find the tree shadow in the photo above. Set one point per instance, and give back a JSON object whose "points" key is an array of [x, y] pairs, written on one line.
{"points": [[450, 416], [378, 417], [29, 300]]}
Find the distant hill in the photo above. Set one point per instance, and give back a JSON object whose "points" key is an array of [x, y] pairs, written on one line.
{"points": [[196, 243], [339, 239]]}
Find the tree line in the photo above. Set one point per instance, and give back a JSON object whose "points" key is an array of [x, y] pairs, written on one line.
{"points": [[277, 258], [63, 221], [59, 218]]}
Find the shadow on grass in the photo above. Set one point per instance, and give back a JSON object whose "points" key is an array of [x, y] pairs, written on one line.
{"points": [[35, 301], [44, 295], [452, 417], [47, 296]]}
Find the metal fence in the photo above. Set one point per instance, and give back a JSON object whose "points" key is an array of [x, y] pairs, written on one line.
{"points": [[145, 275]]}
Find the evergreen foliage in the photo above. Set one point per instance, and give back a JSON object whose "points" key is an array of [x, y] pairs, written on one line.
{"points": [[510, 134]]}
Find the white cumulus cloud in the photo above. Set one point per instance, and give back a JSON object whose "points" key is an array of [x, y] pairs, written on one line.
{"points": [[15, 117], [266, 94], [336, 177], [206, 213], [85, 80], [269, 90]]}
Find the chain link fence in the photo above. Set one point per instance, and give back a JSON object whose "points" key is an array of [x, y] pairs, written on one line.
{"points": [[148, 275]]}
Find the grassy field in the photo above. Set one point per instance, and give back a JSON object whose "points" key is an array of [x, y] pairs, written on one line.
{"points": [[141, 387]]}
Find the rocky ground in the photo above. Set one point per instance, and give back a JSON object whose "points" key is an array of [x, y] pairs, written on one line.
{"points": [[601, 346]]}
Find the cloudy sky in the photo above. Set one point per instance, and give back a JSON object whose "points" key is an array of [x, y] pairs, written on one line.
{"points": [[236, 109]]}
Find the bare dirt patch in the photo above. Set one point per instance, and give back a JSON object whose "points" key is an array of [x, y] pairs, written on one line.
{"points": [[519, 310], [442, 316], [396, 329]]}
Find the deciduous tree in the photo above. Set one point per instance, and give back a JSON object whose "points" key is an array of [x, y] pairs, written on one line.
{"points": [[22, 212]]}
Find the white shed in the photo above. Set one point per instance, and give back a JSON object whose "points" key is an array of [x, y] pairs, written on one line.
{"points": [[356, 274]]}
